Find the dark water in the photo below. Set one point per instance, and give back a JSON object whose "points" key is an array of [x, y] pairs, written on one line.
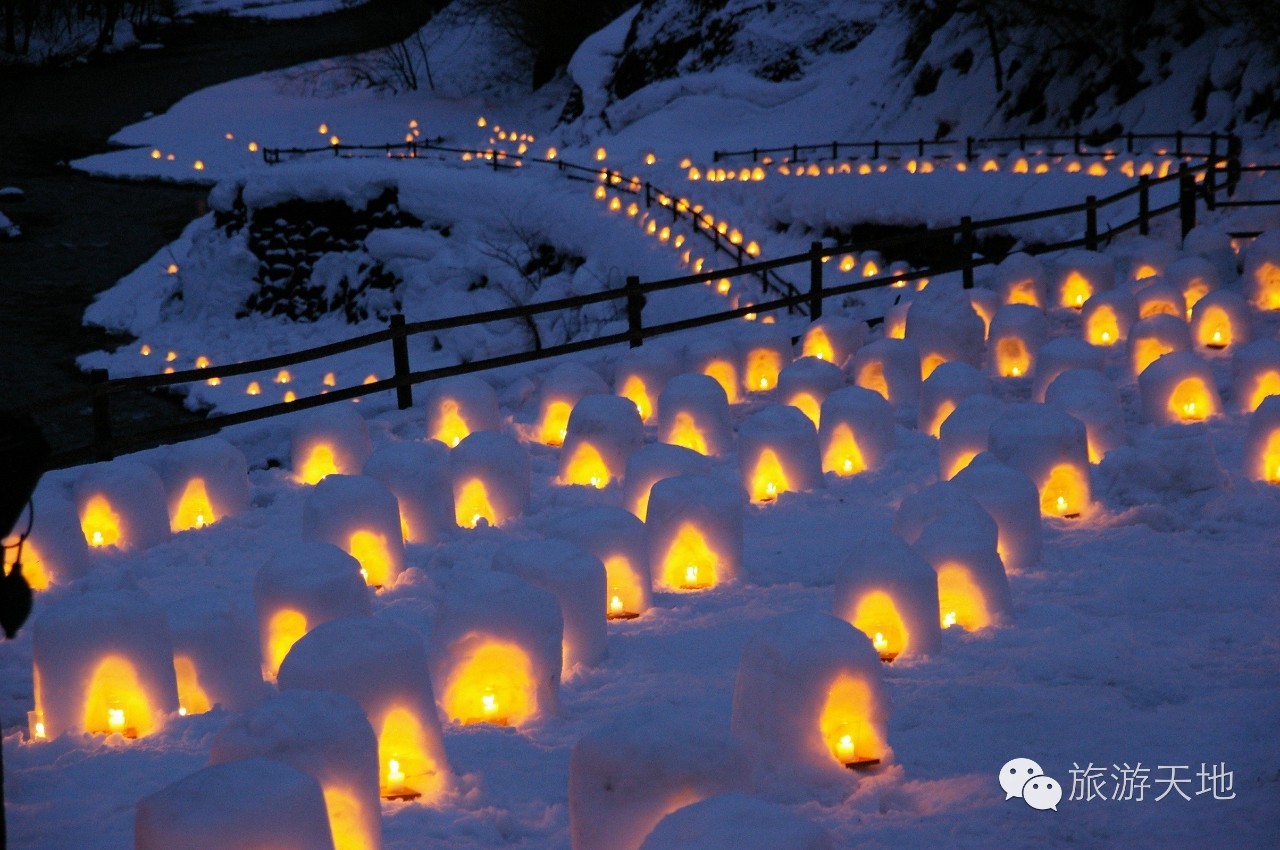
{"points": [[81, 234]]}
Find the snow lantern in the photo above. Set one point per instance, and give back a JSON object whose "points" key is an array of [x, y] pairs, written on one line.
{"points": [[890, 594], [652, 463], [383, 667], [944, 502], [121, 504], [1262, 271], [326, 736], [577, 580], [300, 588], [809, 697], [1079, 275], [965, 434], [459, 405], [716, 357], [640, 376], [362, 518], [1178, 388], [205, 480], [1020, 279], [561, 390], [762, 352], [891, 367], [496, 650], [237, 805], [1059, 355], [1255, 369], [1221, 319], [944, 327], [833, 338], [1195, 277], [806, 382], [417, 474], [734, 821], [1091, 397], [1108, 316], [490, 476], [603, 432], [1050, 447], [777, 453], [1018, 331], [621, 542], [950, 384], [973, 591], [1013, 502], [695, 528], [1206, 244], [103, 664], [216, 656], [857, 431], [1144, 258], [56, 552], [693, 412], [1262, 445], [333, 439], [895, 320], [985, 303], [1154, 337], [626, 776], [1158, 296]]}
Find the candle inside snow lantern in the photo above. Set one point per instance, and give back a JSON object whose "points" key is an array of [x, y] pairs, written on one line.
{"points": [[833, 339], [695, 532], [973, 592], [619, 539], [206, 480], [1221, 319], [1262, 444], [1050, 447], [1078, 276], [1017, 333], [1255, 373], [330, 440], [891, 367], [121, 504], [693, 412], [561, 390], [1020, 279], [359, 515], [1177, 389], [1108, 316], [778, 452], [856, 431], [889, 593], [490, 477], [56, 551], [641, 375], [459, 405], [1262, 271], [716, 358], [603, 432], [1158, 296], [764, 351]]}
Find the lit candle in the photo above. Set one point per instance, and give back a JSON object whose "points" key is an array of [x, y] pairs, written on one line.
{"points": [[949, 620], [394, 773], [35, 722], [115, 720], [615, 604], [845, 748]]}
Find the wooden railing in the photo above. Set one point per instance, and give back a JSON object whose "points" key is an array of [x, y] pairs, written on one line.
{"points": [[1195, 182]]}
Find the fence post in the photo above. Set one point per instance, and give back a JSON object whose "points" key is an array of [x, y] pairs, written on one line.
{"points": [[966, 247], [1091, 222], [1177, 143], [101, 418], [1075, 143], [968, 148], [400, 357], [755, 154], [715, 156], [1186, 199], [835, 150], [815, 281], [635, 305], [875, 149], [1234, 148], [1022, 142], [1144, 205], [920, 147], [1128, 142], [648, 194], [795, 153]]}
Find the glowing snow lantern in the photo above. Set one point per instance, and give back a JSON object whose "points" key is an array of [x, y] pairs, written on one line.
{"points": [[895, 320], [1078, 276], [857, 431], [985, 303], [490, 477], [890, 594], [1020, 279], [640, 376], [237, 805], [944, 327], [1090, 396], [603, 431], [891, 367], [834, 339], [206, 480], [805, 383], [693, 412], [305, 586], [764, 350], [216, 656], [778, 453], [719, 822], [561, 390], [695, 528], [601, 154], [1050, 447], [1059, 355], [1255, 371], [964, 434], [1013, 502], [1159, 296], [624, 779], [652, 463], [1262, 443], [1220, 320], [1152, 338], [326, 736], [1194, 277], [809, 698], [360, 516], [103, 663], [496, 650], [56, 551], [619, 540], [121, 504], [1145, 258], [950, 384], [1178, 388], [1017, 333], [333, 439], [382, 666], [459, 405], [1108, 316], [716, 358], [577, 580], [973, 592], [417, 474]]}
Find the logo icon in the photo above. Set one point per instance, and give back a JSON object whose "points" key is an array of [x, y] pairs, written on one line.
{"points": [[1022, 777]]}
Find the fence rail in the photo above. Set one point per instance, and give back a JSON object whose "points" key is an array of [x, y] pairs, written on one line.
{"points": [[1195, 182]]}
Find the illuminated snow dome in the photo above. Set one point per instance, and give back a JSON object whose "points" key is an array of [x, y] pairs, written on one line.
{"points": [[735, 821], [693, 412], [332, 439]]}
